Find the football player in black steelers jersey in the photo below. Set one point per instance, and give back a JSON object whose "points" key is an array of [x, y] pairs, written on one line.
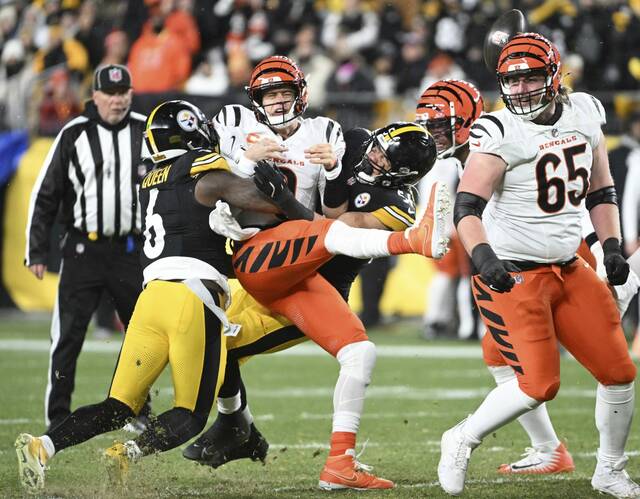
{"points": [[178, 318], [374, 190]]}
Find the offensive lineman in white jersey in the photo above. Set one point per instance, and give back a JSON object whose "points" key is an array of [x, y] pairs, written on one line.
{"points": [[307, 150], [532, 166]]}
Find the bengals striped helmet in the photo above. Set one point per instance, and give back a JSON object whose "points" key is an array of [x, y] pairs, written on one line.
{"points": [[275, 72], [527, 57], [447, 109]]}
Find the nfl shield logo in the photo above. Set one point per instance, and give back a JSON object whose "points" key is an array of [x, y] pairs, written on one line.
{"points": [[115, 75], [518, 278]]}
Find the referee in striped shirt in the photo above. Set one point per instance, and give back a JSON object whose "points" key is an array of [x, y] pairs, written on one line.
{"points": [[89, 181]]}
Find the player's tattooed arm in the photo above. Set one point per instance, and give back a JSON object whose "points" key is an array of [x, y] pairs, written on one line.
{"points": [[238, 192]]}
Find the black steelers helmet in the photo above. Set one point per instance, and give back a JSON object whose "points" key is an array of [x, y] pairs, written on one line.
{"points": [[175, 127], [410, 149]]}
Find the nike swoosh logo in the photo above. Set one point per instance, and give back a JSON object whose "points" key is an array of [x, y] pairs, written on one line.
{"points": [[516, 467], [475, 144], [353, 478]]}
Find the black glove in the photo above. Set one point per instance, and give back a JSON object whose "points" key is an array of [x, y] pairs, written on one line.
{"points": [[493, 271], [614, 263], [271, 182]]}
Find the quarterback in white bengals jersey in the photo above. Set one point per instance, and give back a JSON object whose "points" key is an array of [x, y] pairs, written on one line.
{"points": [[306, 150], [534, 166]]}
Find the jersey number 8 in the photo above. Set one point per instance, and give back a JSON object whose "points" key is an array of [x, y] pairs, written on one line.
{"points": [[557, 185]]}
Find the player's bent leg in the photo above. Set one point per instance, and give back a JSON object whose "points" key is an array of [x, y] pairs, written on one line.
{"points": [[547, 454]]}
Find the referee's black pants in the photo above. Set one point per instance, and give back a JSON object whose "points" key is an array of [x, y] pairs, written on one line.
{"points": [[88, 268]]}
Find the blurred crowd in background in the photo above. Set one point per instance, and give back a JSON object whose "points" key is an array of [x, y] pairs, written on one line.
{"points": [[366, 60]]}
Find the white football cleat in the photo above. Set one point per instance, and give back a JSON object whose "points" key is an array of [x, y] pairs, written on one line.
{"points": [[611, 478], [455, 451], [539, 462], [32, 460]]}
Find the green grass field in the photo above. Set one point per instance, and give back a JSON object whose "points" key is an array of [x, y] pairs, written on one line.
{"points": [[417, 392]]}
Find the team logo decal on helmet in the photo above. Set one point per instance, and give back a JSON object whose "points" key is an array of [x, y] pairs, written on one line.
{"points": [[527, 55], [447, 109], [409, 149], [362, 199], [187, 120], [275, 72], [175, 127]]}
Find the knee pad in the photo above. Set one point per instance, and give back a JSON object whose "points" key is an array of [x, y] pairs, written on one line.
{"points": [[357, 360], [502, 374], [616, 394], [620, 374], [541, 391]]}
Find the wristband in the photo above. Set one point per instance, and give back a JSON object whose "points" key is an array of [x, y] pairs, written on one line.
{"points": [[335, 172]]}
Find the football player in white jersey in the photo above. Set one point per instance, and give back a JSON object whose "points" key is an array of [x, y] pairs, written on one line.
{"points": [[307, 150], [448, 108], [532, 166]]}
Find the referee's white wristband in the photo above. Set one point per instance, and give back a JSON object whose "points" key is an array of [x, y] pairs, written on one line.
{"points": [[335, 173]]}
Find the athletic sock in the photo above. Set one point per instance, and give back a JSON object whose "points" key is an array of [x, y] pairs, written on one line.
{"points": [[229, 405], [341, 441], [49, 448], [503, 404], [614, 411], [535, 422]]}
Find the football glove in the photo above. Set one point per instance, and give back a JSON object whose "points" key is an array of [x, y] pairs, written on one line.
{"points": [[614, 263], [493, 271], [271, 182], [222, 222]]}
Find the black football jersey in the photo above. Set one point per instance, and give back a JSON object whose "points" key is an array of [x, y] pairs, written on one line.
{"points": [[395, 208], [175, 224]]}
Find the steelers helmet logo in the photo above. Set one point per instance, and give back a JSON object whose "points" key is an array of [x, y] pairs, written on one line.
{"points": [[362, 199], [187, 120]]}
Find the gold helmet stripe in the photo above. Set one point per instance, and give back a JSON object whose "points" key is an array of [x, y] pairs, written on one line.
{"points": [[148, 132], [404, 129]]}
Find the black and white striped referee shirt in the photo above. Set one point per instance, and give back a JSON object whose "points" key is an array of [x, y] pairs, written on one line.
{"points": [[90, 180]]}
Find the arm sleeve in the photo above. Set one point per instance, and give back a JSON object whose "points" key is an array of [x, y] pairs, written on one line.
{"points": [[44, 202]]}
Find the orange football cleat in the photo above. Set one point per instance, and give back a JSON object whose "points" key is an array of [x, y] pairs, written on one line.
{"points": [[541, 463], [428, 235], [345, 472]]}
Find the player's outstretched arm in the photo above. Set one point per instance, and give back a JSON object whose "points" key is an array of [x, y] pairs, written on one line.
{"points": [[238, 192]]}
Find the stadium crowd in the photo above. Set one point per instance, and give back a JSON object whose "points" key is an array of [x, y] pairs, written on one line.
{"points": [[363, 57]]}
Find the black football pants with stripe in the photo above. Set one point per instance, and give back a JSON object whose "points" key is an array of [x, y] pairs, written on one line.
{"points": [[88, 268]]}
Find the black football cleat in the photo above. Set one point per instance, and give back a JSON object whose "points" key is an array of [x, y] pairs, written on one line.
{"points": [[226, 432]]}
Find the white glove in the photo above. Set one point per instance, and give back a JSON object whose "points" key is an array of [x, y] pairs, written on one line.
{"points": [[222, 222]]}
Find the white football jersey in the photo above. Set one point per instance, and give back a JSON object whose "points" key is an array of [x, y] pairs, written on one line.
{"points": [[536, 212], [238, 128]]}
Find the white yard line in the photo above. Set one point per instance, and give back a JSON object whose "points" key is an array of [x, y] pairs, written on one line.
{"points": [[402, 392], [303, 350]]}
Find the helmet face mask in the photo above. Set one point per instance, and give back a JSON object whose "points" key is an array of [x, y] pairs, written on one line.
{"points": [[275, 73], [175, 127], [406, 153], [529, 58], [447, 109]]}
